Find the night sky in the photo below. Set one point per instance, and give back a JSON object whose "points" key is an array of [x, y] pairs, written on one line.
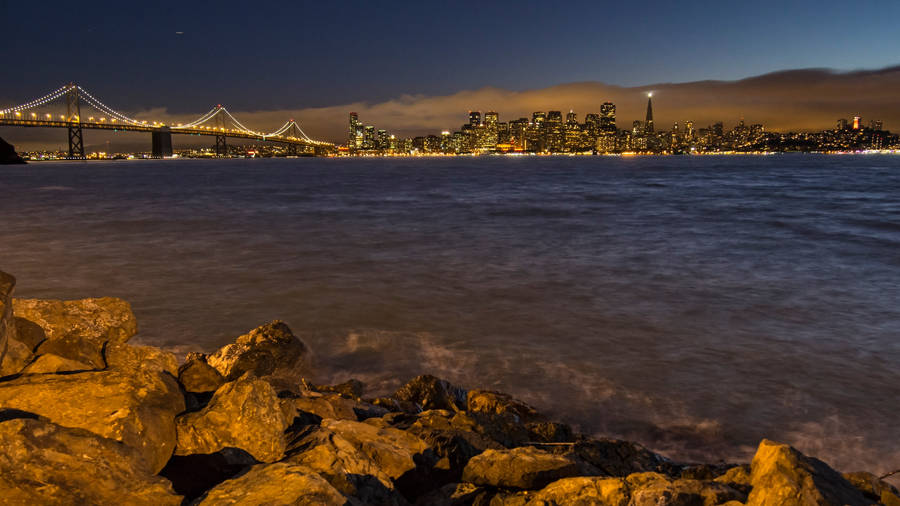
{"points": [[271, 56]]}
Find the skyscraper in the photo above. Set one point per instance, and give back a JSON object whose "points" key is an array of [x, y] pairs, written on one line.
{"points": [[608, 117], [474, 118], [355, 137], [648, 123]]}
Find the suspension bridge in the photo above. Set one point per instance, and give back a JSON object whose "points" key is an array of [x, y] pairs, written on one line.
{"points": [[47, 112]]}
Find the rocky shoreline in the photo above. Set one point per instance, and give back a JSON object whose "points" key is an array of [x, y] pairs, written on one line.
{"points": [[86, 418]]}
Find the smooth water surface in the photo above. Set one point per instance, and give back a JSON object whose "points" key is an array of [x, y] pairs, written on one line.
{"points": [[696, 304]]}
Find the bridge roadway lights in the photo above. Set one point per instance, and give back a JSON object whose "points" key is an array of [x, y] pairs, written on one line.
{"points": [[162, 142], [221, 147]]}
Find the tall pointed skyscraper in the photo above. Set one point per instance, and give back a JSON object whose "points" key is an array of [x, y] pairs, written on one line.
{"points": [[648, 123]]}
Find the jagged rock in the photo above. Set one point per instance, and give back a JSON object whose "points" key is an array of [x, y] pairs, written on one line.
{"points": [[282, 483], [524, 468], [497, 403], [79, 329], [781, 475], [457, 494], [244, 414], [429, 392], [137, 408], [271, 352], [29, 333], [197, 376], [44, 463], [7, 324], [652, 489], [737, 477], [613, 457], [351, 389], [193, 475], [395, 405], [362, 460], [584, 491], [874, 488], [18, 356], [128, 357], [8, 155], [53, 363], [336, 406]]}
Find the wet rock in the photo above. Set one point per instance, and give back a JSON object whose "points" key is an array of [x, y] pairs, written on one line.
{"points": [[456, 494], [781, 475], [7, 324], [53, 363], [197, 376], [44, 463], [737, 477], [282, 483], [127, 357], [874, 488], [429, 392], [271, 352], [18, 356], [137, 408], [614, 457], [244, 414], [496, 403], [79, 329], [652, 489], [327, 406], [584, 491], [350, 389], [193, 475], [521, 468], [362, 460], [29, 333]]}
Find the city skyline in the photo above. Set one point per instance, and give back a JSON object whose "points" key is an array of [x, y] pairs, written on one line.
{"points": [[782, 101]]}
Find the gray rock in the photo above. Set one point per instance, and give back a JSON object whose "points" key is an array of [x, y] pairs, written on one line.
{"points": [[245, 414], [524, 468], [271, 352], [44, 463]]}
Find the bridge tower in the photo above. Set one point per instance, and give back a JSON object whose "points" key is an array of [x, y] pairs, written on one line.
{"points": [[221, 146], [73, 119]]}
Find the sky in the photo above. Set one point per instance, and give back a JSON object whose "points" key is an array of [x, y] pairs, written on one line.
{"points": [[179, 59]]}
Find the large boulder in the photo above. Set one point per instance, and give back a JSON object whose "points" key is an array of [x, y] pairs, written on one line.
{"points": [[137, 408], [281, 483], [245, 413], [362, 460], [126, 357], [44, 463], [49, 363], [652, 489], [79, 329], [614, 457], [781, 475], [197, 376], [429, 392], [7, 324], [584, 491], [271, 352], [874, 488], [523, 468]]}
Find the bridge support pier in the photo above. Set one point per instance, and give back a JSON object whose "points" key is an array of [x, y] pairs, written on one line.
{"points": [[76, 142], [221, 146], [162, 142]]}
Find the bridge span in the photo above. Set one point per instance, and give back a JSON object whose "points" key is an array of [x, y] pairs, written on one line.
{"points": [[217, 122]]}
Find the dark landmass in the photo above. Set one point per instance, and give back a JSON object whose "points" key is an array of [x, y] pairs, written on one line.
{"points": [[86, 418], [8, 155]]}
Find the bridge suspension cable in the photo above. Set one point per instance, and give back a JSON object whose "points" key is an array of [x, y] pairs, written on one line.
{"points": [[50, 97]]}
